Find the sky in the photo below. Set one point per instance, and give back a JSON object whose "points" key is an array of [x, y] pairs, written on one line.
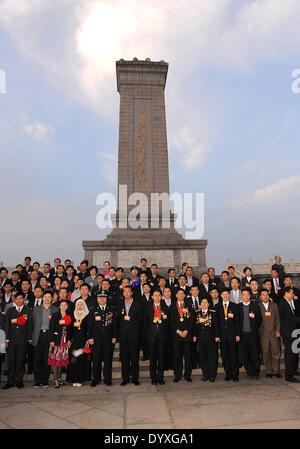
{"points": [[232, 119]]}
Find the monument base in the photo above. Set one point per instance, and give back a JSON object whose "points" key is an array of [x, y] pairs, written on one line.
{"points": [[166, 254]]}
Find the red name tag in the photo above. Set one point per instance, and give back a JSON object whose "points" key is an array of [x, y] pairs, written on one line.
{"points": [[62, 322], [97, 318], [49, 317], [230, 315], [202, 320], [165, 317], [14, 321], [267, 313], [295, 298], [127, 318], [76, 324], [251, 315]]}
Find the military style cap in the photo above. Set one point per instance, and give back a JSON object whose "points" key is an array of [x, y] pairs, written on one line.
{"points": [[134, 267], [103, 295]]}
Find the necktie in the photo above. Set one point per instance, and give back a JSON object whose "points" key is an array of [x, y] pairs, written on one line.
{"points": [[196, 304], [225, 310], [19, 310]]}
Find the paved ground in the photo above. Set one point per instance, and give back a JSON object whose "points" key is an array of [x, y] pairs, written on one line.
{"points": [[267, 403]]}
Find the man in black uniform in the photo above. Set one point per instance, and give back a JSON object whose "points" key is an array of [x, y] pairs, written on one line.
{"points": [[288, 323], [182, 322], [206, 335], [18, 330], [130, 320], [156, 326], [229, 333], [102, 334], [250, 322]]}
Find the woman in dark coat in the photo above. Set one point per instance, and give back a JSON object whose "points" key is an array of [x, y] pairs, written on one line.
{"points": [[80, 360], [59, 336]]}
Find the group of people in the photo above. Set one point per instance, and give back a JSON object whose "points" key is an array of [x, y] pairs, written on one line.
{"points": [[70, 320]]}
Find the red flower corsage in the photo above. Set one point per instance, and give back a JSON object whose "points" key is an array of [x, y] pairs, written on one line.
{"points": [[67, 320], [21, 320], [87, 350]]}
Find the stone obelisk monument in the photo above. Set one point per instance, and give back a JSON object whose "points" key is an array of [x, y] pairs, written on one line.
{"points": [[143, 168]]}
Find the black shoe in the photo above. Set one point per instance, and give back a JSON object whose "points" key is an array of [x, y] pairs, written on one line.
{"points": [[20, 385], [292, 379], [135, 382], [297, 373], [7, 386], [235, 379], [227, 377], [124, 383], [154, 382], [211, 379], [270, 375], [94, 383], [109, 384], [204, 378], [45, 385], [176, 379], [188, 379], [36, 385], [161, 382], [278, 375]]}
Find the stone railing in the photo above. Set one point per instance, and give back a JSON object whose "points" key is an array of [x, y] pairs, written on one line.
{"points": [[264, 268]]}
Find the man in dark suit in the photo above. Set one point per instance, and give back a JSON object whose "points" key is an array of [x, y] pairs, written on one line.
{"points": [[205, 335], [279, 267], [156, 325], [53, 271], [154, 276], [191, 279], [229, 334], [204, 287], [267, 284], [288, 323], [26, 269], [172, 282], [182, 322], [250, 322], [143, 268], [182, 285], [288, 282], [214, 281], [194, 300], [102, 334], [145, 299], [225, 280], [18, 330], [277, 283], [6, 296], [138, 289], [3, 277], [85, 295], [130, 321], [40, 339]]}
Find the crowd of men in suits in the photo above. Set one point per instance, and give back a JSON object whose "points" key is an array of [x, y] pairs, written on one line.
{"points": [[173, 319]]}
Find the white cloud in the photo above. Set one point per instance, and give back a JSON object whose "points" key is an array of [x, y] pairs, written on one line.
{"points": [[278, 192], [39, 132], [90, 35]]}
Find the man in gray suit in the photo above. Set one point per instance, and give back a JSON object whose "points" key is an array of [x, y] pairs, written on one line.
{"points": [[235, 292], [40, 339]]}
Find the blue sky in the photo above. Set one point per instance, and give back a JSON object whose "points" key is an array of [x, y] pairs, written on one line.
{"points": [[233, 121]]}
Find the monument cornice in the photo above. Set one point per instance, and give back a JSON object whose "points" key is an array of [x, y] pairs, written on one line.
{"points": [[141, 72]]}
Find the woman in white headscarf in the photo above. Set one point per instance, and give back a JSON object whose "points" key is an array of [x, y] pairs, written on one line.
{"points": [[80, 363]]}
